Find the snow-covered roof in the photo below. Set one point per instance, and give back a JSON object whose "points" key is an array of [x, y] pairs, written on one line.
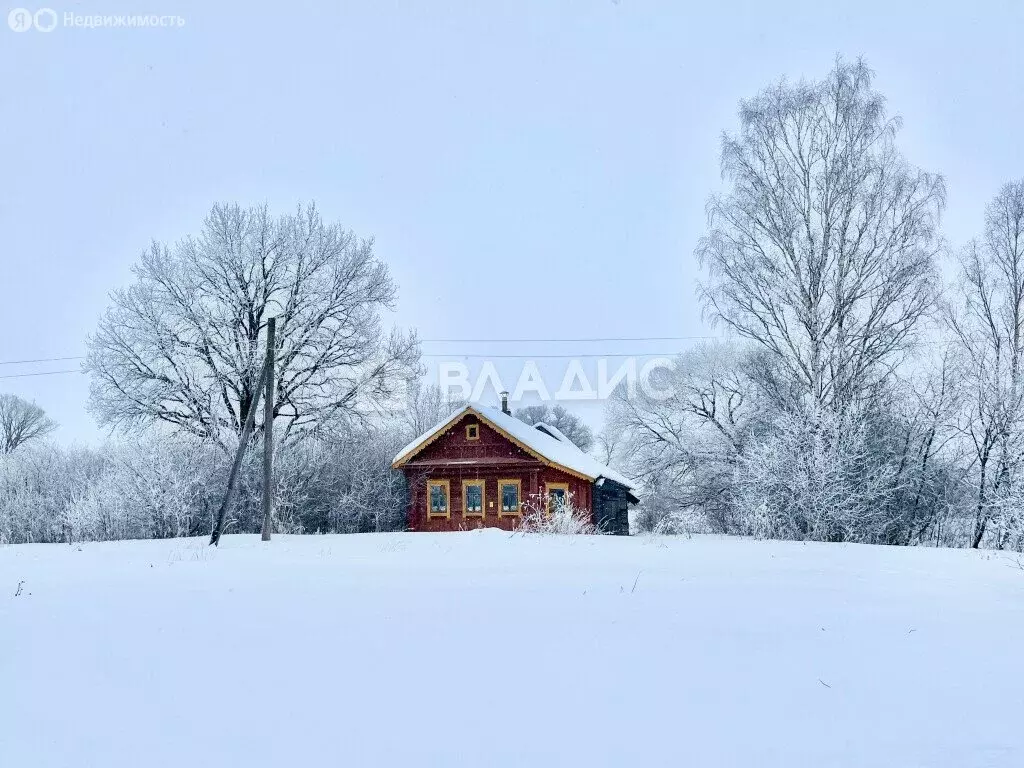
{"points": [[560, 451], [555, 432]]}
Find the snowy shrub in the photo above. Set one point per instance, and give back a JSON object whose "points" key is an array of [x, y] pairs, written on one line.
{"points": [[39, 485], [664, 510], [660, 517], [155, 488], [340, 485], [683, 522], [161, 486], [558, 517], [814, 478]]}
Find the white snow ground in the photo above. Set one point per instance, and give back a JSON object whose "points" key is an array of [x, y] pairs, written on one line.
{"points": [[485, 649]]}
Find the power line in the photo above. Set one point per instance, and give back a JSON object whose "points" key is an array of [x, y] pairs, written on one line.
{"points": [[449, 356], [555, 341], [471, 341], [42, 360], [482, 355], [41, 373], [452, 355]]}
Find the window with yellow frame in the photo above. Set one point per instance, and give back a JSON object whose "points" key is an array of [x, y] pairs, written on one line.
{"points": [[510, 493], [473, 498], [438, 498], [472, 431], [557, 495]]}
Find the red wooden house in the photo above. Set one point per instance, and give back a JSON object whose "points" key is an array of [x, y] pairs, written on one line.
{"points": [[479, 468]]}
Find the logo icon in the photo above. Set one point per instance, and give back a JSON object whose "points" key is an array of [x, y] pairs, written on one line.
{"points": [[45, 19], [20, 19]]}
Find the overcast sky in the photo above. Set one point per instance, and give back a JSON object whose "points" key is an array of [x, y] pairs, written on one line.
{"points": [[528, 169]]}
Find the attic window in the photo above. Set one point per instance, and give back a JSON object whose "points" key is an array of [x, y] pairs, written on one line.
{"points": [[472, 431]]}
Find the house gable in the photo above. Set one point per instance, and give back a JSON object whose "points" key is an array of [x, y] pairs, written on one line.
{"points": [[456, 445], [415, 451]]}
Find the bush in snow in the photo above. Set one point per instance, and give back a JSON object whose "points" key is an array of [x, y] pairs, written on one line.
{"points": [[662, 512], [39, 487], [155, 488], [560, 516], [343, 484], [161, 486]]}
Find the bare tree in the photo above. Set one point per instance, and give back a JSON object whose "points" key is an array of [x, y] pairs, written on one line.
{"points": [[183, 345], [426, 407], [726, 451], [566, 422], [683, 447], [823, 250], [21, 422], [988, 329], [928, 482], [608, 445]]}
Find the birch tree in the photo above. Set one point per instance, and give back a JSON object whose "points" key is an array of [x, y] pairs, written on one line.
{"points": [[822, 251], [987, 324], [183, 346]]}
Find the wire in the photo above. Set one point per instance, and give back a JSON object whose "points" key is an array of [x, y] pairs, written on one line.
{"points": [[474, 341], [480, 355], [452, 355], [555, 341], [41, 360], [41, 373], [448, 356]]}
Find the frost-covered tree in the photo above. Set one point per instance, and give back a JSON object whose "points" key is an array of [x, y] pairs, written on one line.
{"points": [[608, 446], [822, 250], [427, 405], [878, 480], [566, 422], [21, 422], [183, 346], [156, 488], [821, 260], [733, 451], [164, 486], [683, 447], [336, 483], [40, 486], [986, 317]]}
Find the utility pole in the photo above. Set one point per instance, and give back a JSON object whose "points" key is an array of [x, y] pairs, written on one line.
{"points": [[268, 432], [266, 382], [229, 495]]}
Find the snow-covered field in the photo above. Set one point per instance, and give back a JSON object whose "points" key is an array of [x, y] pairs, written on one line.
{"points": [[485, 649]]}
